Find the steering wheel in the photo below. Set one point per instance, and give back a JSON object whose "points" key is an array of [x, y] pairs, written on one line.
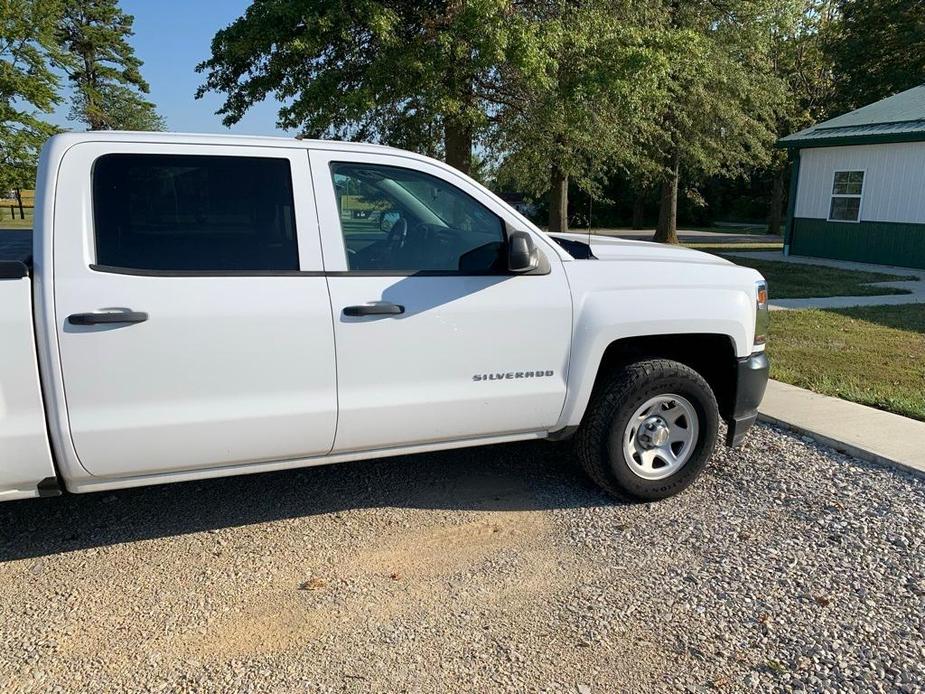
{"points": [[398, 232]]}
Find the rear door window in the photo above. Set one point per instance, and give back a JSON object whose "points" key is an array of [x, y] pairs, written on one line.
{"points": [[172, 212]]}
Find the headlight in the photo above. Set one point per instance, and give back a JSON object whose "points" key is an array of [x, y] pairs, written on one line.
{"points": [[762, 312]]}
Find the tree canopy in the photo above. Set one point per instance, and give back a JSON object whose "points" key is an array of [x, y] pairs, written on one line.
{"points": [[559, 84], [562, 94], [28, 86], [414, 75], [804, 67], [103, 69], [724, 95], [585, 104], [878, 49]]}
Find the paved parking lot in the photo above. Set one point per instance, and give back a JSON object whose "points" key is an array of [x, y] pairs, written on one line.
{"points": [[788, 567]]}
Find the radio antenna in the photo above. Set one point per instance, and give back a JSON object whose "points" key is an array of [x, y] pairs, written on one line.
{"points": [[590, 203]]}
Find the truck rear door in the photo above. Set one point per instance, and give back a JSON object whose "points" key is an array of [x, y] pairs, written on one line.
{"points": [[193, 319]]}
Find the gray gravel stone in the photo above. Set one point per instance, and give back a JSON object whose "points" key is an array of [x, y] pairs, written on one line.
{"points": [[787, 567]]}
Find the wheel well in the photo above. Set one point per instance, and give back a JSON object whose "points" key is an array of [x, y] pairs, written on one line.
{"points": [[712, 356]]}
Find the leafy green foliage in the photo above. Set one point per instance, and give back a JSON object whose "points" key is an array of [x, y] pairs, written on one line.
{"points": [[878, 49], [390, 71], [27, 84], [584, 101], [558, 90], [724, 95], [722, 86], [800, 53], [801, 62], [103, 68]]}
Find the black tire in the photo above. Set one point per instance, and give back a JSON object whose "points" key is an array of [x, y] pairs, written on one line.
{"points": [[599, 440]]}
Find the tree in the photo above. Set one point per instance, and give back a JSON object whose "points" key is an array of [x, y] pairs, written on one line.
{"points": [[402, 73], [878, 49], [103, 68], [27, 84], [723, 96], [800, 60], [581, 99], [838, 55]]}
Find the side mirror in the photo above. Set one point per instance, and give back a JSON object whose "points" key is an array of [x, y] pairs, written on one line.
{"points": [[522, 255]]}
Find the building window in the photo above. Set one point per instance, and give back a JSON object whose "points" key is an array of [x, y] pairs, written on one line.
{"points": [[846, 196]]}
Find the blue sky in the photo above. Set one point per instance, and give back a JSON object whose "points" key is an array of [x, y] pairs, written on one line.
{"points": [[171, 37]]}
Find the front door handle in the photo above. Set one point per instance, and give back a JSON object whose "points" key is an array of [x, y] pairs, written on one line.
{"points": [[107, 317], [381, 309]]}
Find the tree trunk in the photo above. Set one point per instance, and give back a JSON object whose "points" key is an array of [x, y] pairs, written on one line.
{"points": [[22, 213], [667, 229], [558, 200], [776, 211], [639, 209], [457, 141]]}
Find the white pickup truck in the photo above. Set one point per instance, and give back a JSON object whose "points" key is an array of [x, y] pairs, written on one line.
{"points": [[199, 306]]}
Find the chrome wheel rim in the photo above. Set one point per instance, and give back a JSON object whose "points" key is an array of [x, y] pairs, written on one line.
{"points": [[660, 436]]}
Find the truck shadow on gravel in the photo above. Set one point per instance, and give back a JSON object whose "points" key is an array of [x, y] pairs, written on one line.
{"points": [[510, 477]]}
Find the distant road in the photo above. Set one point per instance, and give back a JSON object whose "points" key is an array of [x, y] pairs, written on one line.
{"points": [[688, 235]]}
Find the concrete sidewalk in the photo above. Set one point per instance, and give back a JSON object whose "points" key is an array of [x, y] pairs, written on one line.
{"points": [[779, 257], [863, 432], [848, 301], [915, 286]]}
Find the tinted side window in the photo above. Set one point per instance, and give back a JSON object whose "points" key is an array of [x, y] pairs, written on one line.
{"points": [[185, 212], [396, 219]]}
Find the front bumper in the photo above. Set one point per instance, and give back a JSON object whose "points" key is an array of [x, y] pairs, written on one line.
{"points": [[751, 381]]}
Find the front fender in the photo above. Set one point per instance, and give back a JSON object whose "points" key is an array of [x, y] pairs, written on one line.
{"points": [[603, 317]]}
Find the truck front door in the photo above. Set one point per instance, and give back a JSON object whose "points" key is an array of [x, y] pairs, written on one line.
{"points": [[193, 319], [436, 340]]}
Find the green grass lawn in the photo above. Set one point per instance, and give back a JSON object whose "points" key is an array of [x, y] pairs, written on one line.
{"points": [[750, 230], [798, 281], [12, 221], [874, 355], [18, 225]]}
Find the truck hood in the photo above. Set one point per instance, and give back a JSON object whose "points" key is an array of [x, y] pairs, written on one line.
{"points": [[610, 248]]}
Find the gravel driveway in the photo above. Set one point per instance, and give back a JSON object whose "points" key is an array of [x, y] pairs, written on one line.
{"points": [[787, 567]]}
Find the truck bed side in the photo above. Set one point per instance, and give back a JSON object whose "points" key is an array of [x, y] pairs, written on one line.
{"points": [[26, 467]]}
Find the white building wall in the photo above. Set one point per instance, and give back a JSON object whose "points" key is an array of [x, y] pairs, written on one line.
{"points": [[894, 180]]}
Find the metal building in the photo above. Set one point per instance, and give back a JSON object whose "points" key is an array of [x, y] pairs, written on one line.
{"points": [[857, 191]]}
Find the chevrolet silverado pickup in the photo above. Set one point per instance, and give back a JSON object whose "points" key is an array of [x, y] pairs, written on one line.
{"points": [[198, 306]]}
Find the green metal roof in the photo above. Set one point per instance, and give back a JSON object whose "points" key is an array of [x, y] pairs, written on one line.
{"points": [[898, 118]]}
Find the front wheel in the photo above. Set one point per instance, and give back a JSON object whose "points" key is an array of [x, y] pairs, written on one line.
{"points": [[649, 432]]}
